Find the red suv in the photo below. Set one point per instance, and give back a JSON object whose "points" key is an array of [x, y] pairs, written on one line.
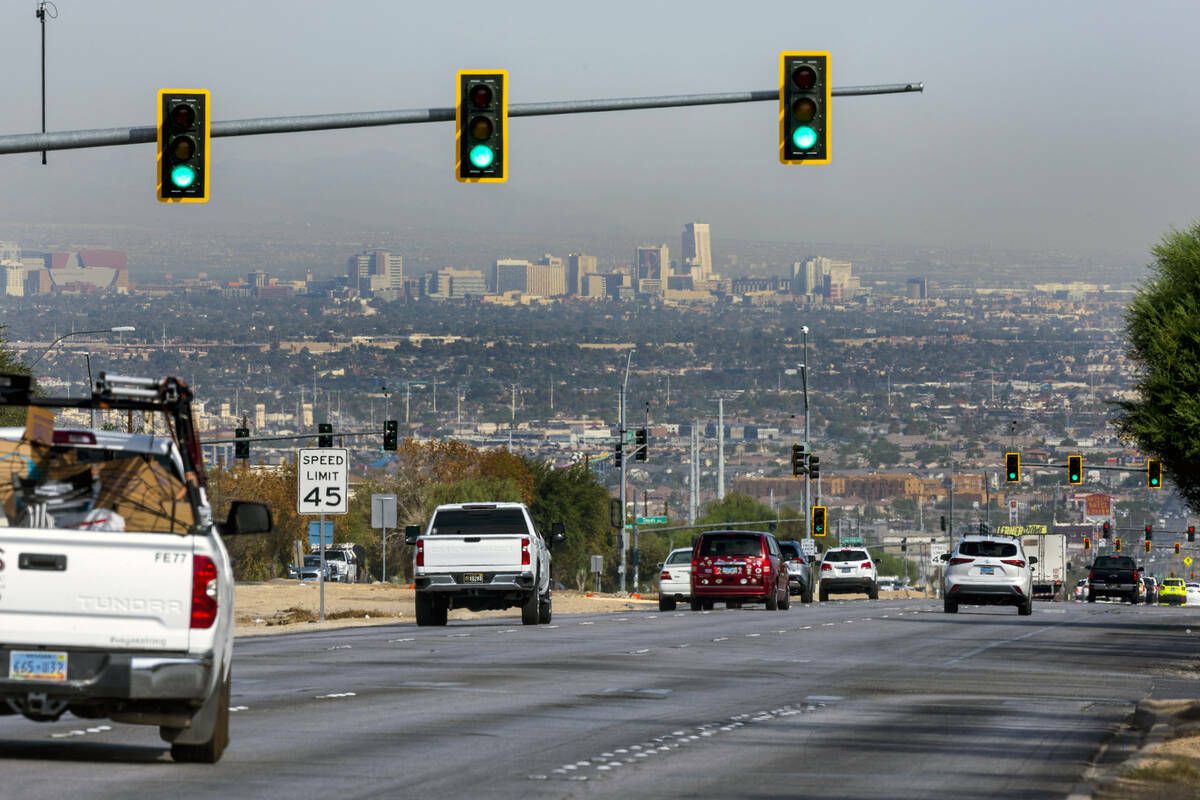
{"points": [[738, 567]]}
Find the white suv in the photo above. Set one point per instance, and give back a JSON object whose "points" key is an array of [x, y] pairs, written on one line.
{"points": [[675, 579], [847, 570], [989, 570]]}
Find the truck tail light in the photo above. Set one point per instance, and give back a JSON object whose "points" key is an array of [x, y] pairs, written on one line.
{"points": [[1016, 562], [420, 559], [1091, 575], [204, 592], [960, 560], [524, 552]]}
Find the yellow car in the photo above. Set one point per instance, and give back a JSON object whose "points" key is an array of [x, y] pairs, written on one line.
{"points": [[1173, 592]]}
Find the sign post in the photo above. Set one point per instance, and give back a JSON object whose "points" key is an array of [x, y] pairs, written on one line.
{"points": [[321, 478], [383, 515]]}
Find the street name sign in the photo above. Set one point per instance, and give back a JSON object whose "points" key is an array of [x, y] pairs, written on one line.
{"points": [[651, 520], [322, 473]]}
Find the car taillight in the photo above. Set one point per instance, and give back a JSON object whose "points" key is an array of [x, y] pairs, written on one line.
{"points": [[1016, 562], [1135, 576], [665, 576], [524, 552], [865, 565], [204, 592], [420, 559], [960, 560], [826, 567], [1091, 575]]}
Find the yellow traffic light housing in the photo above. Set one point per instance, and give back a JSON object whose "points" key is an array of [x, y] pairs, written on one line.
{"points": [[481, 126], [818, 520], [1117, 545], [1147, 546], [1087, 543], [1153, 473], [1075, 470], [1012, 467], [183, 136]]}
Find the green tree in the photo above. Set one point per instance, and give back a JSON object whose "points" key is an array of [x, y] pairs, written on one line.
{"points": [[883, 453], [10, 364], [1163, 328]]}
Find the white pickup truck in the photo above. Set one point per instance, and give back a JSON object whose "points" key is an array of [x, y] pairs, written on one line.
{"points": [[116, 592], [482, 556]]}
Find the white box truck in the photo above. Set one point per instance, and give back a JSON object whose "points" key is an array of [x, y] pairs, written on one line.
{"points": [[1051, 568]]}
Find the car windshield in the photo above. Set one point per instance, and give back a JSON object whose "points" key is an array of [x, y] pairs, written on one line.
{"points": [[91, 488], [680, 557], [478, 522], [987, 549], [731, 544], [1113, 562], [312, 561], [335, 555], [846, 555]]}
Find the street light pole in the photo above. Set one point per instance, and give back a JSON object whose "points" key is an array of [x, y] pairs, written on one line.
{"points": [[807, 445], [624, 465], [117, 329], [91, 384]]}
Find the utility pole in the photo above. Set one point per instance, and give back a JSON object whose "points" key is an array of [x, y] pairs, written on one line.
{"points": [[807, 444], [720, 448], [624, 466]]}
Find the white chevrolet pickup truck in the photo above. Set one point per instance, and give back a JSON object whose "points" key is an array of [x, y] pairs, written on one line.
{"points": [[482, 556], [116, 592]]}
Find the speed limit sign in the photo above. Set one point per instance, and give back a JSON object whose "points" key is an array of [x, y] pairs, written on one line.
{"points": [[321, 479]]}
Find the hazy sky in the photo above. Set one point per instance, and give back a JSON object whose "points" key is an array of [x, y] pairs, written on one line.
{"points": [[1061, 125]]}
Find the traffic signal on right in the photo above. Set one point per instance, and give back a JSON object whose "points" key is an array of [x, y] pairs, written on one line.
{"points": [[183, 134], [804, 100], [1075, 469], [481, 123], [1153, 473], [1149, 532], [797, 459], [1012, 467], [1177, 548], [642, 452], [818, 521], [1107, 528], [241, 448], [619, 455], [391, 434], [1191, 533], [326, 437], [1117, 545], [1147, 545], [1087, 543], [814, 467]]}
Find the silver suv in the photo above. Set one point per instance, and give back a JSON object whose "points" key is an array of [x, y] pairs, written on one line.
{"points": [[989, 570], [848, 570]]}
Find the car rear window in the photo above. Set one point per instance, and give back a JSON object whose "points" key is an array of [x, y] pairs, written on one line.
{"points": [[987, 549], [1113, 562], [478, 522], [791, 552], [1173, 582], [730, 544], [680, 557], [846, 555]]}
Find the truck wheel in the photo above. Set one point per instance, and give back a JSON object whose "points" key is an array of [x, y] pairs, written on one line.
{"points": [[666, 603], [696, 604], [806, 595], [949, 606], [707, 605], [426, 613], [545, 610], [529, 609], [209, 752]]}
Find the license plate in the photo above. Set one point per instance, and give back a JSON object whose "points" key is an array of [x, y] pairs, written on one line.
{"points": [[986, 570], [473, 577], [730, 570], [845, 569], [37, 665]]}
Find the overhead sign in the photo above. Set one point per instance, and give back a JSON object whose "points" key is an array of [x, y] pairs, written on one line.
{"points": [[850, 540], [322, 474], [1098, 505], [1021, 530], [651, 520]]}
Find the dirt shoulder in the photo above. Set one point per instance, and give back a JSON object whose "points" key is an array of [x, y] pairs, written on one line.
{"points": [[285, 606]]}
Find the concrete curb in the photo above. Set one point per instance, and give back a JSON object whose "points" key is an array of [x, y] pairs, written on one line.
{"points": [[1158, 721]]}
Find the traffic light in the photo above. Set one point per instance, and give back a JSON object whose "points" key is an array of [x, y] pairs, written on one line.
{"points": [[1087, 543], [814, 467], [391, 429], [1107, 528], [1075, 469], [1177, 548], [639, 438], [614, 512], [183, 134], [1147, 545], [1149, 533], [619, 455], [904, 544], [1191, 533], [943, 522], [326, 437], [1117, 545], [804, 99], [241, 449], [1012, 467], [481, 126], [1153, 473], [818, 521], [797, 459]]}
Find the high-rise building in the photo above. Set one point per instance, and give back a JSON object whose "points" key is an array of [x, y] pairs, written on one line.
{"points": [[820, 274], [697, 252], [10, 251], [14, 279], [510, 275], [651, 264], [454, 282], [594, 285], [547, 278], [918, 289], [375, 270], [579, 265]]}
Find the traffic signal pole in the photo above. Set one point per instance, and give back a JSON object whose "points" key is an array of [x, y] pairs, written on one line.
{"points": [[257, 126]]}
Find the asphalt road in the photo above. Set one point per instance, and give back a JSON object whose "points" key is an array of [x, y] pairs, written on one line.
{"points": [[846, 699]]}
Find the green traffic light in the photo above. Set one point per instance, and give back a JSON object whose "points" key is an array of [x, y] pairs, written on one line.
{"points": [[481, 156], [182, 176], [804, 137]]}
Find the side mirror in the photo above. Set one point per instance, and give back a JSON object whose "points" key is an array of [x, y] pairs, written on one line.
{"points": [[558, 532], [944, 556], [245, 517], [878, 562], [1032, 560], [411, 533]]}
